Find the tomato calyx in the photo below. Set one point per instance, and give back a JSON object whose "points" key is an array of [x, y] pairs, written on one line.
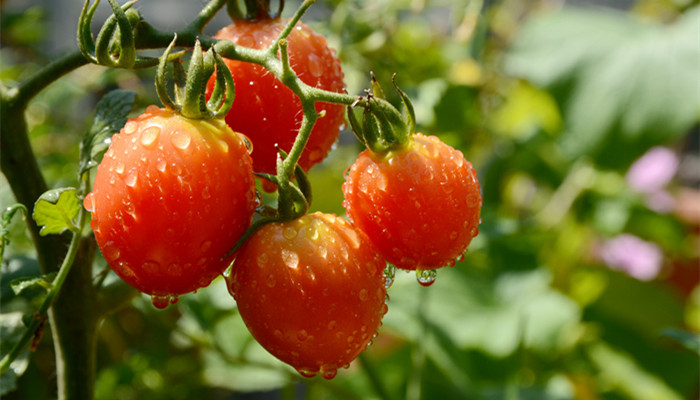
{"points": [[383, 127], [190, 86]]}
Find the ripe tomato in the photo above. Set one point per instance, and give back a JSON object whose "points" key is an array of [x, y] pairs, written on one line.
{"points": [[171, 197], [311, 291], [419, 205], [268, 112]]}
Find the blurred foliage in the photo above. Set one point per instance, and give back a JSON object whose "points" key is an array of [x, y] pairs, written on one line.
{"points": [[552, 103]]}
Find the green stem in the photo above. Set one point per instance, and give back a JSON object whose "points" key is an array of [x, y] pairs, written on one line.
{"points": [[205, 16]]}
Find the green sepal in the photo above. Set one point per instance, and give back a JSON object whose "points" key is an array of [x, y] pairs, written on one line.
{"points": [[377, 90], [409, 112], [161, 77], [355, 126], [56, 211]]}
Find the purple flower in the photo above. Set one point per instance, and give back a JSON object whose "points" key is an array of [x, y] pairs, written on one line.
{"points": [[654, 170], [637, 258]]}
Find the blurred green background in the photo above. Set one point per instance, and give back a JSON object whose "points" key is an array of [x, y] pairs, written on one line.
{"points": [[581, 118]]}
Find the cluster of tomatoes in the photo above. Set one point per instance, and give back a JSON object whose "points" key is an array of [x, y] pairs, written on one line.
{"points": [[173, 195]]}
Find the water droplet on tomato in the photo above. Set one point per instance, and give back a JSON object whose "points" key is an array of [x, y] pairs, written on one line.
{"points": [[206, 245], [289, 233], [110, 251], [271, 282], [160, 302], [329, 371], [89, 202], [315, 65], [322, 251], [307, 372], [151, 267], [130, 127], [364, 295], [206, 193], [181, 139], [119, 168], [290, 258], [149, 136], [302, 335], [332, 325], [131, 178], [174, 299], [474, 232], [426, 277]]}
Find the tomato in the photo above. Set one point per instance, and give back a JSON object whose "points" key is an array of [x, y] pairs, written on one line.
{"points": [[311, 291], [268, 112], [171, 197], [419, 204]]}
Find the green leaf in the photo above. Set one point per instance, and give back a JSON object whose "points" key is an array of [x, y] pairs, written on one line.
{"points": [[56, 210], [622, 84], [27, 282], [110, 117]]}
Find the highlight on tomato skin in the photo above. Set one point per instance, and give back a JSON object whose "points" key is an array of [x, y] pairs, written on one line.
{"points": [[267, 111], [420, 205], [311, 291], [171, 197]]}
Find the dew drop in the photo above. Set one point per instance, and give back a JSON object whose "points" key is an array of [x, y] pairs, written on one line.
{"points": [[453, 235], [315, 65], [206, 245], [312, 233], [160, 302], [271, 282], [277, 333], [150, 267], [329, 371], [174, 299], [290, 258], [332, 325], [119, 168], [364, 295], [160, 165], [149, 136], [426, 277], [206, 193], [89, 202], [224, 146], [174, 269], [181, 139], [130, 127], [302, 335], [131, 178], [307, 372], [289, 233], [110, 251]]}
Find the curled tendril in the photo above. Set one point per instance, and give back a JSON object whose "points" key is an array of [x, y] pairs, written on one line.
{"points": [[115, 43], [114, 46]]}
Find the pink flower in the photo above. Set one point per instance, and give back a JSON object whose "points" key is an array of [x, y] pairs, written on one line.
{"points": [[654, 170], [637, 258]]}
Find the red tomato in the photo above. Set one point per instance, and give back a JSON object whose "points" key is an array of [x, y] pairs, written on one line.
{"points": [[311, 291], [268, 112], [419, 205], [171, 197]]}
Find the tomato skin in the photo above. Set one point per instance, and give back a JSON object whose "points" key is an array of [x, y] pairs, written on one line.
{"points": [[419, 205], [268, 112], [171, 197], [311, 291]]}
